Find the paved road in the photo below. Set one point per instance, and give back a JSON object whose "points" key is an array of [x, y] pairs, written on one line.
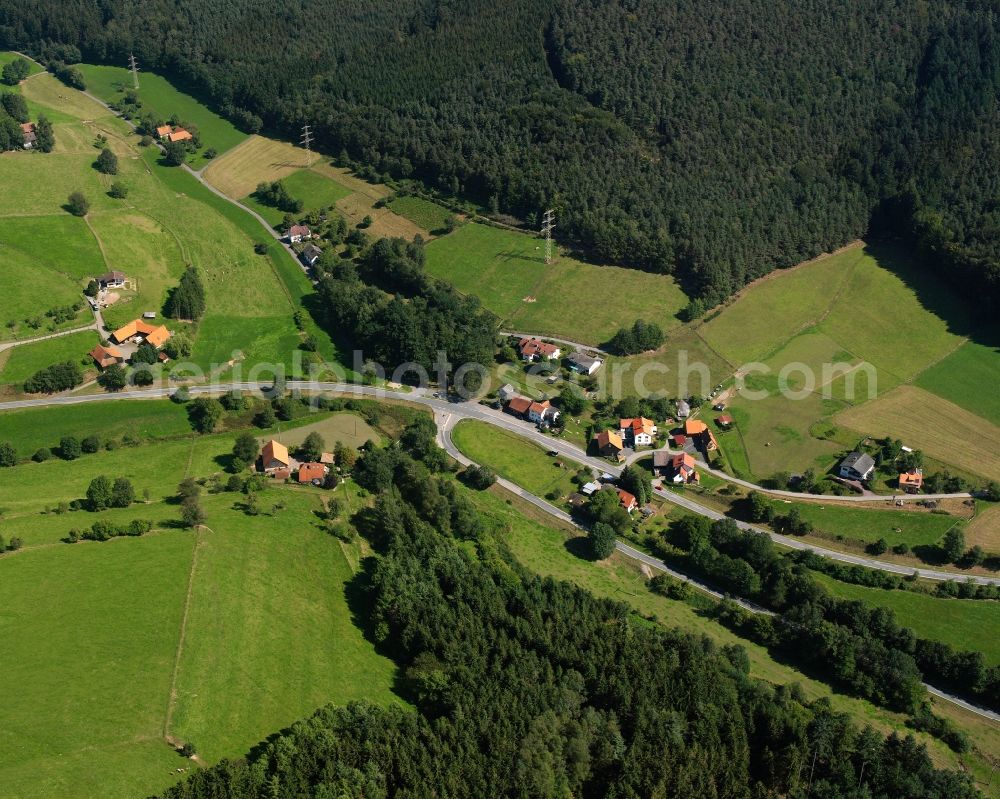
{"points": [[576, 345]]}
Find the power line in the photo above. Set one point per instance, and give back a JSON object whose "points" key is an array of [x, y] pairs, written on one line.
{"points": [[307, 137], [548, 224], [133, 65]]}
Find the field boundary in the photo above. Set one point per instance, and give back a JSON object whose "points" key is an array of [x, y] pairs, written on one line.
{"points": [[179, 651]]}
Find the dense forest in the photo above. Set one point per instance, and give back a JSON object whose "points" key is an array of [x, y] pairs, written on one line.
{"points": [[524, 686], [713, 140]]}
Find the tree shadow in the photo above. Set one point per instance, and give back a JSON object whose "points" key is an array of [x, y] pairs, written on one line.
{"points": [[930, 554], [579, 546]]}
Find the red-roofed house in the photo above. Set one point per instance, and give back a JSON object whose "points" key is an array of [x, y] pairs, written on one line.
{"points": [[703, 437], [542, 412], [28, 135], [912, 481], [609, 444], [725, 421], [519, 406], [628, 500], [179, 134], [533, 349], [681, 469], [106, 356], [311, 473], [640, 432], [297, 233], [274, 456], [163, 131]]}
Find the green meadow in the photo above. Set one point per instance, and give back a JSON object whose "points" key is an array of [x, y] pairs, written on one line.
{"points": [[162, 98], [567, 298], [426, 214], [965, 377], [21, 362], [314, 190], [913, 528]]}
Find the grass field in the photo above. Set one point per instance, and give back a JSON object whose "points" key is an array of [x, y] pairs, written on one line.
{"points": [[547, 549], [984, 529], [566, 298], [895, 526], [48, 91], [513, 457], [430, 216], [348, 428], [963, 623], [164, 99], [30, 289], [924, 421], [964, 378], [20, 363], [7, 57], [31, 428], [314, 190], [237, 173]]}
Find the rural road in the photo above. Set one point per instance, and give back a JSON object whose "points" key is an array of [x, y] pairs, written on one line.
{"points": [[469, 410], [446, 422], [6, 345], [574, 344]]}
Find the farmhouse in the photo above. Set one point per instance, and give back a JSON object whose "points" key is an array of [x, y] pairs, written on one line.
{"points": [[542, 412], [518, 406], [274, 456], [311, 473], [628, 500], [725, 421], [297, 233], [683, 409], [857, 466], [912, 481], [139, 331], [639, 432], [112, 280], [680, 468], [179, 134], [583, 364], [28, 135], [310, 255], [698, 431], [609, 444], [533, 349], [163, 131], [106, 356]]}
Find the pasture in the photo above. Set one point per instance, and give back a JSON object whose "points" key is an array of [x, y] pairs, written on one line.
{"points": [[984, 529], [515, 458], [48, 91], [348, 428], [19, 363], [424, 213], [6, 57], [256, 160], [965, 377], [314, 190], [162, 98], [566, 298], [924, 421], [963, 623], [30, 289]]}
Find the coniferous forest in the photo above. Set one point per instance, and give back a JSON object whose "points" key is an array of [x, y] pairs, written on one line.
{"points": [[712, 140]]}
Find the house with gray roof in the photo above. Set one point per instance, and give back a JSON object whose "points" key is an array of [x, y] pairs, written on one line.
{"points": [[857, 466]]}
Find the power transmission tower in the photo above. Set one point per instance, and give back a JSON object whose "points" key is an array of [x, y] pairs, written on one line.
{"points": [[548, 224], [307, 139], [134, 66]]}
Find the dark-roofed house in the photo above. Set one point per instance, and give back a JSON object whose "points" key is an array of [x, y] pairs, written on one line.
{"points": [[111, 280], [857, 466], [661, 460], [583, 364], [683, 409], [310, 255], [506, 392]]}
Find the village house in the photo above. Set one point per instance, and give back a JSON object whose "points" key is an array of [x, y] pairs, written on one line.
{"points": [[179, 134], [542, 413], [518, 406], [112, 280], [857, 466], [106, 356], [311, 473], [911, 481], [506, 393], [163, 131], [725, 421], [609, 444], [310, 255], [583, 364], [139, 331], [274, 456], [28, 135], [638, 432], [680, 469], [629, 502], [683, 409], [703, 438], [326, 458], [533, 349], [297, 233]]}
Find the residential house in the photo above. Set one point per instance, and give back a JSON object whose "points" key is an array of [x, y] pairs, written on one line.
{"points": [[326, 458], [297, 233], [106, 356], [28, 135], [680, 469], [273, 456], [912, 481], [311, 473], [112, 280], [609, 444], [661, 460], [857, 466], [533, 349], [683, 409], [638, 432], [629, 502], [179, 134], [310, 255], [542, 412], [139, 331], [583, 364], [703, 438], [163, 131], [506, 393], [519, 406], [590, 488], [725, 421]]}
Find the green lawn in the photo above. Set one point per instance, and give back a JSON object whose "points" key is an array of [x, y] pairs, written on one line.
{"points": [[314, 190], [567, 298], [59, 242], [23, 361], [428, 215], [348, 428], [965, 377], [515, 458], [161, 97], [895, 526], [31, 428], [964, 623], [30, 289]]}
